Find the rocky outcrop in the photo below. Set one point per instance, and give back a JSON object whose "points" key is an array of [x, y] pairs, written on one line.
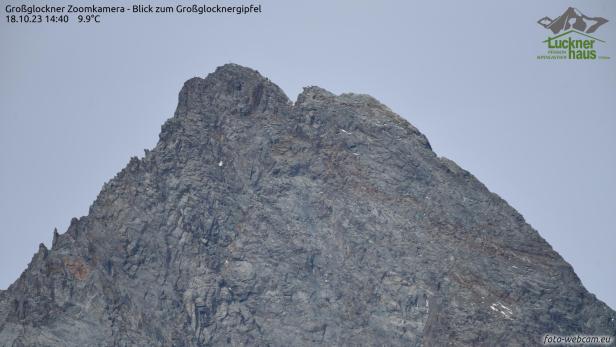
{"points": [[328, 221]]}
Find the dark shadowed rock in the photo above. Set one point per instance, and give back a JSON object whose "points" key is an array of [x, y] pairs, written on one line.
{"points": [[329, 221]]}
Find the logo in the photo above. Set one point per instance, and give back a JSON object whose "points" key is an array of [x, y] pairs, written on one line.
{"points": [[572, 39]]}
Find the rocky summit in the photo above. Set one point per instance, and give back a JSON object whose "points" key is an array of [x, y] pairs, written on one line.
{"points": [[325, 221]]}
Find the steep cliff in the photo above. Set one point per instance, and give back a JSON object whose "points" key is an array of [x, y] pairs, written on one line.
{"points": [[328, 221]]}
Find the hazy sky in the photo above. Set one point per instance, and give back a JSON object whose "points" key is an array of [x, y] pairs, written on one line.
{"points": [[77, 101]]}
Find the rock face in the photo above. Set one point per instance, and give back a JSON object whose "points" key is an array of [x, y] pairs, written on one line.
{"points": [[328, 221]]}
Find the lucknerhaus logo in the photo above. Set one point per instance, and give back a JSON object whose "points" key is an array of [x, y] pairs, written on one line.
{"points": [[572, 38]]}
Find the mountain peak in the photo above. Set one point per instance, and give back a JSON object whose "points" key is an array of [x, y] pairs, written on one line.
{"points": [[330, 221], [233, 79], [235, 71], [232, 90], [313, 93]]}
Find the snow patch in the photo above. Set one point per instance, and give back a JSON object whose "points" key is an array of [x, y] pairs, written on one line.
{"points": [[502, 309]]}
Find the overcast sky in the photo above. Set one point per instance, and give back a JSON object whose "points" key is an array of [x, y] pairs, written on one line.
{"points": [[77, 101]]}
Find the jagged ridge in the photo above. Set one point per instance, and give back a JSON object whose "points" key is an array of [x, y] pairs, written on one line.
{"points": [[258, 221]]}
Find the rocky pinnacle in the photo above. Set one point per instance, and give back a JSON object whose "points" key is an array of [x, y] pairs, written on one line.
{"points": [[325, 221]]}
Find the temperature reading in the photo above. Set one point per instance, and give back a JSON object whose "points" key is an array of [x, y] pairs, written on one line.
{"points": [[90, 18]]}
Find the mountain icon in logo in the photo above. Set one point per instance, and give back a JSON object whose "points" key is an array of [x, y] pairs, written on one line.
{"points": [[573, 19]]}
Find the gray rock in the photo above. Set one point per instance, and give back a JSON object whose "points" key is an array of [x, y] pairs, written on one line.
{"points": [[328, 221]]}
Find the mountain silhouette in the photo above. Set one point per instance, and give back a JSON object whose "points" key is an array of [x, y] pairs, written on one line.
{"points": [[573, 19], [324, 221]]}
